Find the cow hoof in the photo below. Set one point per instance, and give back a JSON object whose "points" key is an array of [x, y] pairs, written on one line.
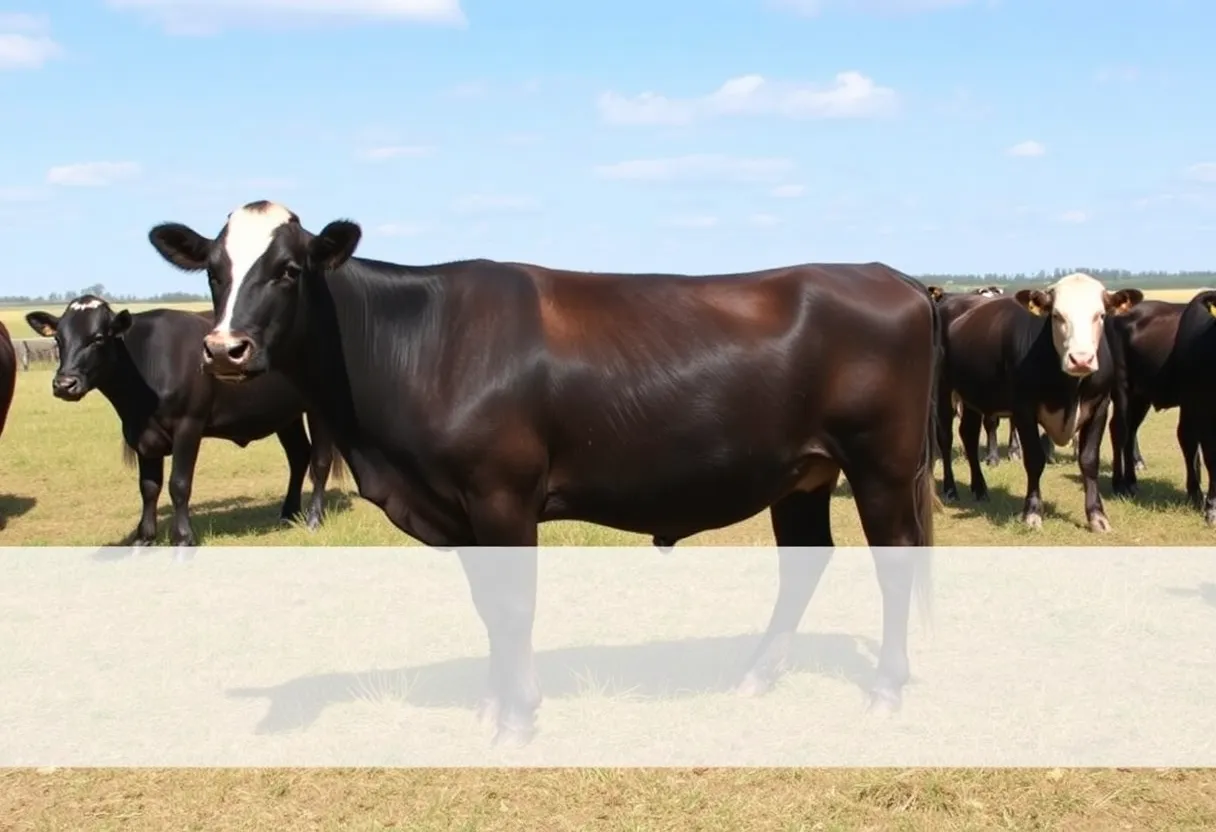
{"points": [[883, 703], [980, 496], [513, 736], [1140, 465], [1209, 517], [992, 462], [313, 522], [487, 712], [143, 541], [755, 684], [1195, 499], [950, 495], [1034, 520], [1099, 523]]}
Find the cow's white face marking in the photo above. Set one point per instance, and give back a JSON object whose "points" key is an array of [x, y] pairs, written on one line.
{"points": [[91, 303], [1078, 304], [250, 232]]}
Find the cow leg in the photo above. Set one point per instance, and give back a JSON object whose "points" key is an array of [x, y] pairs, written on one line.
{"points": [[1015, 444], [320, 464], [969, 435], [893, 523], [151, 480], [1188, 442], [1140, 463], [181, 479], [1123, 429], [298, 449], [991, 425], [1090, 444], [945, 440], [501, 571], [1033, 462], [1207, 442], [802, 527]]}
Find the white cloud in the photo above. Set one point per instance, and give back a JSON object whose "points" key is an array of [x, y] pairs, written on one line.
{"points": [[788, 191], [1074, 217], [764, 220], [812, 8], [383, 154], [696, 221], [207, 16], [698, 168], [24, 42], [91, 174], [852, 95], [1027, 148], [1202, 172], [495, 203]]}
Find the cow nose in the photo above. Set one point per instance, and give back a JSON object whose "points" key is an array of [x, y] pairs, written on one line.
{"points": [[62, 384], [1081, 360], [227, 350]]}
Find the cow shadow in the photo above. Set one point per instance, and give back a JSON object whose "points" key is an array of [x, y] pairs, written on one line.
{"points": [[1153, 493], [657, 670], [13, 506], [1003, 508], [1205, 592], [246, 517]]}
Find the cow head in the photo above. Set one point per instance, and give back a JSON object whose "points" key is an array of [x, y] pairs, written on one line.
{"points": [[1078, 305], [87, 337], [256, 268]]}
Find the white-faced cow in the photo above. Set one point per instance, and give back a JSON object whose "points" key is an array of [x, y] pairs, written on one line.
{"points": [[474, 400], [147, 366], [1043, 359]]}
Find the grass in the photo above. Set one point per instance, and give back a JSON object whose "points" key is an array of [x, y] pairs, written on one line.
{"points": [[13, 317], [62, 483]]}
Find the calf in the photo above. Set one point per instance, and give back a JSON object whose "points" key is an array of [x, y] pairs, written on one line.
{"points": [[147, 366], [1142, 342], [1043, 359], [8, 375]]}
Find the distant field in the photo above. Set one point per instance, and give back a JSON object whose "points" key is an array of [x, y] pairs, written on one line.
{"points": [[13, 317]]}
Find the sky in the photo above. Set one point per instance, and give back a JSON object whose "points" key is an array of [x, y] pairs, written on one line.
{"points": [[632, 135]]}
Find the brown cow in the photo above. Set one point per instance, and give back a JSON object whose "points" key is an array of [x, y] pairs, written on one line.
{"points": [[475, 400]]}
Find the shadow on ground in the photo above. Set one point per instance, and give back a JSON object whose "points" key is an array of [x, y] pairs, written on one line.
{"points": [[231, 516], [13, 505], [656, 670], [1153, 493]]}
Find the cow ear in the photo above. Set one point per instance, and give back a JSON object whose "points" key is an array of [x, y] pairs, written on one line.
{"points": [[181, 245], [334, 245], [44, 323], [120, 324], [1036, 302], [936, 292], [1121, 302]]}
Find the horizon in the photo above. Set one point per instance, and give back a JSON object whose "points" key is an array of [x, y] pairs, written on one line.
{"points": [[948, 138]]}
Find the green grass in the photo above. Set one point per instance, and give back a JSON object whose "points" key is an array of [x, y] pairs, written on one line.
{"points": [[62, 482]]}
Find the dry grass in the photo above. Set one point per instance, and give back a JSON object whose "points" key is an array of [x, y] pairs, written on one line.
{"points": [[61, 482]]}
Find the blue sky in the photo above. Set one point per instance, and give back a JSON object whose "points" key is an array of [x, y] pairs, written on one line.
{"points": [[668, 135]]}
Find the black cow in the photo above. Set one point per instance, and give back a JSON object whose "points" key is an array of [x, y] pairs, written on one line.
{"points": [[8, 374], [147, 366], [474, 400], [950, 306], [1142, 341], [1042, 358], [1182, 381]]}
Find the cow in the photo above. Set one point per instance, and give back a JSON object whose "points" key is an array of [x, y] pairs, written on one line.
{"points": [[475, 400], [147, 366], [8, 374], [1142, 342], [1181, 381], [951, 305], [1042, 358]]}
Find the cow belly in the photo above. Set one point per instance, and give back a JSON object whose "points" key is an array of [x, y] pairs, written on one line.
{"points": [[1060, 424], [684, 504]]}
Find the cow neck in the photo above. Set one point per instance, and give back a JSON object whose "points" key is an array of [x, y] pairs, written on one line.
{"points": [[126, 388]]}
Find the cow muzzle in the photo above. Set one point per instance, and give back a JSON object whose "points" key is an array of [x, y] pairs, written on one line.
{"points": [[70, 388], [1081, 363], [227, 355]]}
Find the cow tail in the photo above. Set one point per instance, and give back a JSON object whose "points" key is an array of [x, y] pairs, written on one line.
{"points": [[926, 500], [129, 456]]}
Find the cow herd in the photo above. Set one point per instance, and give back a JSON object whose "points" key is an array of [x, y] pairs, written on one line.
{"points": [[473, 400]]}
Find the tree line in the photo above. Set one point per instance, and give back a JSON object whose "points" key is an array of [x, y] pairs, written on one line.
{"points": [[1114, 278]]}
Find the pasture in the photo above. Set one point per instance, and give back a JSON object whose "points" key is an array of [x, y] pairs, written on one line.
{"points": [[13, 317], [62, 483]]}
